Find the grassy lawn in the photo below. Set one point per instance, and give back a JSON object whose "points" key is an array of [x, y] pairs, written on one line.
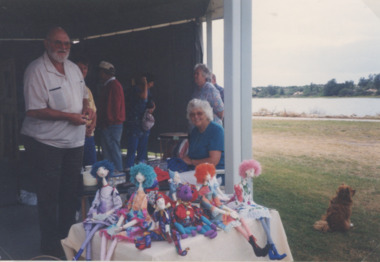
{"points": [[303, 163]]}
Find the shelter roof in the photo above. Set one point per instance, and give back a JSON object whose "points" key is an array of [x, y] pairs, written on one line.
{"points": [[31, 19]]}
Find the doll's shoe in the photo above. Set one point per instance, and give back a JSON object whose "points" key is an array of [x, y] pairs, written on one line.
{"points": [[140, 243], [193, 233], [184, 236], [213, 234], [273, 254], [213, 226], [259, 252], [208, 233], [199, 228]]}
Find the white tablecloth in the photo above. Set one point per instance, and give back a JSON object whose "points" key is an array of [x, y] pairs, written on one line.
{"points": [[225, 247]]}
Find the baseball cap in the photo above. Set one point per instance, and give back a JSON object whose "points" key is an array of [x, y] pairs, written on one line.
{"points": [[107, 66]]}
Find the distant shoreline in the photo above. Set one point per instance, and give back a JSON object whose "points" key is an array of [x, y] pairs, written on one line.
{"points": [[332, 118]]}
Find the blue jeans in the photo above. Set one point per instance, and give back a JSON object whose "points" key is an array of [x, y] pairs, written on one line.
{"points": [[137, 140], [110, 138], [89, 154]]}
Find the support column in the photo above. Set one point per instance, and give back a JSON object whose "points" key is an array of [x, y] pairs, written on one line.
{"points": [[238, 87], [246, 79], [232, 90], [209, 40]]}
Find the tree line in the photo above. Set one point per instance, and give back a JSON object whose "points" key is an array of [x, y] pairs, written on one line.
{"points": [[365, 87]]}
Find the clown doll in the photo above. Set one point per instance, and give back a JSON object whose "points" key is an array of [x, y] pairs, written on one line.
{"points": [[243, 203], [188, 218], [103, 211], [134, 215], [163, 230], [223, 216]]}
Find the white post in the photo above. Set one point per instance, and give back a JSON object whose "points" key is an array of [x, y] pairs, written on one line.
{"points": [[209, 40], [232, 97], [246, 79]]}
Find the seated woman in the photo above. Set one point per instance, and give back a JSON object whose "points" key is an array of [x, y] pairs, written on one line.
{"points": [[206, 140]]}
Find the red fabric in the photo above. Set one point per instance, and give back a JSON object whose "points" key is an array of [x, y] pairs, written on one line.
{"points": [[181, 211], [239, 193], [161, 174], [111, 106]]}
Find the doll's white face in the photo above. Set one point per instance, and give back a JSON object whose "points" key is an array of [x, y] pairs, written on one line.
{"points": [[160, 203], [250, 173], [102, 172], [140, 177], [177, 178]]}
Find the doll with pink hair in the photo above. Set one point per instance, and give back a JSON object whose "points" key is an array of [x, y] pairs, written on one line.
{"points": [[243, 203], [223, 216]]}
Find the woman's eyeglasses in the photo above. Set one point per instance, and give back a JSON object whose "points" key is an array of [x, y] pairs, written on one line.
{"points": [[193, 114]]}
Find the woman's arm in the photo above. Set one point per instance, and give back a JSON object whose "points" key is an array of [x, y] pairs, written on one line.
{"points": [[214, 158]]}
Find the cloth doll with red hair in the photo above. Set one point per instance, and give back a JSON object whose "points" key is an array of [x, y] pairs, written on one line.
{"points": [[247, 208], [223, 216]]}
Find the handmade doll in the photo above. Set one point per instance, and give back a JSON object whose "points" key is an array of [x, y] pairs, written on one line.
{"points": [[103, 211], [243, 203], [174, 182], [215, 187], [163, 230], [189, 219], [222, 215], [134, 214]]}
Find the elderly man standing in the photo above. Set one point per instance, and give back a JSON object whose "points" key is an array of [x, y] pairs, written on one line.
{"points": [[54, 127], [111, 114]]}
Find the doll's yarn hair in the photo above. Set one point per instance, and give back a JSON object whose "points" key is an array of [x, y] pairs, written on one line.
{"points": [[202, 170], [247, 165], [146, 170], [104, 163]]}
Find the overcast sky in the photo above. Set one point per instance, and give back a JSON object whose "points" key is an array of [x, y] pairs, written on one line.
{"points": [[298, 42]]}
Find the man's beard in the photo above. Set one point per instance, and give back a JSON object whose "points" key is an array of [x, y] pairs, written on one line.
{"points": [[57, 56]]}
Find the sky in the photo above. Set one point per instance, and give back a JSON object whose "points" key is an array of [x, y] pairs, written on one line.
{"points": [[298, 42]]}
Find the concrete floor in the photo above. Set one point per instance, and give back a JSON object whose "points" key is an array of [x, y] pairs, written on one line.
{"points": [[19, 234]]}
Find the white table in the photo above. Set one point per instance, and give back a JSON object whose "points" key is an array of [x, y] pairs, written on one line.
{"points": [[225, 247]]}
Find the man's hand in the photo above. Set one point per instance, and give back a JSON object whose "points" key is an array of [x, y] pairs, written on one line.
{"points": [[77, 119]]}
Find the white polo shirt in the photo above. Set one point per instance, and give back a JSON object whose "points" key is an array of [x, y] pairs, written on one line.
{"points": [[45, 87]]}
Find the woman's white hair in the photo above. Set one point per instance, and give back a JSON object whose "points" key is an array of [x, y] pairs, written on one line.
{"points": [[205, 71], [200, 104]]}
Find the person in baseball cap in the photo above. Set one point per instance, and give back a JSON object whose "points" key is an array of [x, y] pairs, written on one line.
{"points": [[107, 67]]}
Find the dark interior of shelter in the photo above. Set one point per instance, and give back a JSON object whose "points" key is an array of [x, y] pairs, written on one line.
{"points": [[121, 32]]}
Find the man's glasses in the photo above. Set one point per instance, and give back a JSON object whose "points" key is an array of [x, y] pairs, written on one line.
{"points": [[58, 43]]}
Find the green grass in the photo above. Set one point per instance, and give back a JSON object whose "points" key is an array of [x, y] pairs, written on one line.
{"points": [[300, 186]]}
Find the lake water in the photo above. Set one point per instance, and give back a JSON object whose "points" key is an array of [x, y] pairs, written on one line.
{"points": [[320, 106]]}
